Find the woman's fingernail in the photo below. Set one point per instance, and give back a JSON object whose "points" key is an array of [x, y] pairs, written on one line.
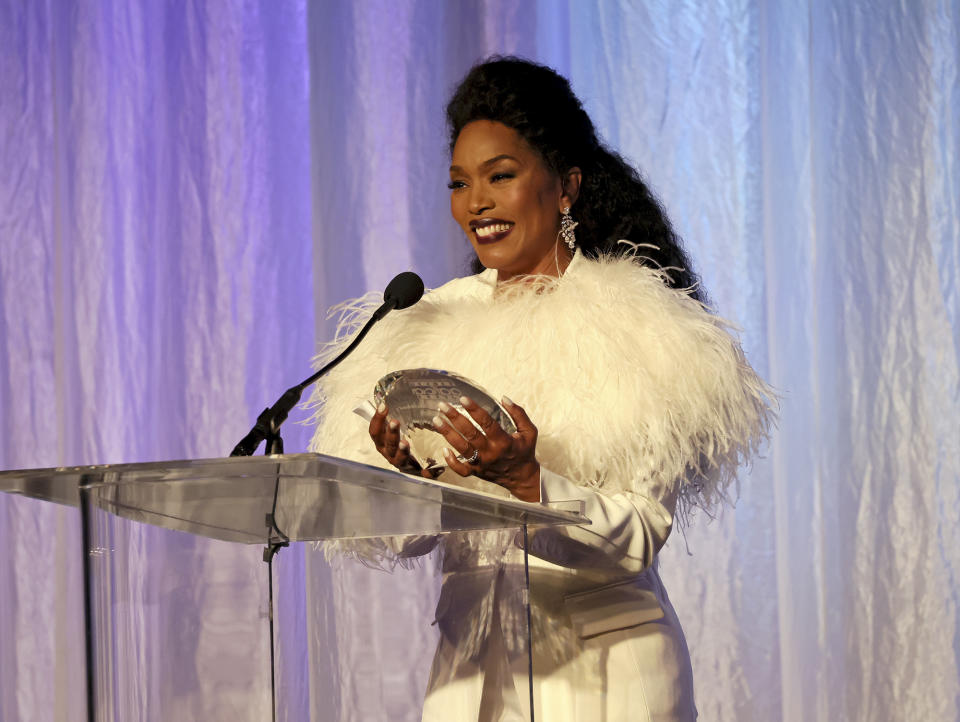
{"points": [[506, 401], [393, 425], [404, 444], [466, 401], [447, 454], [437, 421], [382, 407], [444, 407]]}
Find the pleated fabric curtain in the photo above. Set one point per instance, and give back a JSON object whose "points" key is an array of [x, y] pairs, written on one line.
{"points": [[188, 187], [155, 259]]}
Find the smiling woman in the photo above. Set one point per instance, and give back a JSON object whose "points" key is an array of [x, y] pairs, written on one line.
{"points": [[608, 199], [509, 202], [637, 402]]}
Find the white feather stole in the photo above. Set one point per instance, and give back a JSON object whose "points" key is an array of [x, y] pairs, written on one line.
{"points": [[632, 385]]}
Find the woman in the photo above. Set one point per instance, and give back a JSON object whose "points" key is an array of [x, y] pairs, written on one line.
{"points": [[636, 402]]}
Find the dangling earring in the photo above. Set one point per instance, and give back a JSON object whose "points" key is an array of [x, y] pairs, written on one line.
{"points": [[567, 224]]}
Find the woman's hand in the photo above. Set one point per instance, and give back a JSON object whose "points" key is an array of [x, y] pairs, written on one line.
{"points": [[505, 459], [385, 433]]}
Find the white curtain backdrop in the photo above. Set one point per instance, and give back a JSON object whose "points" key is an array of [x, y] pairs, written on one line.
{"points": [[187, 186]]}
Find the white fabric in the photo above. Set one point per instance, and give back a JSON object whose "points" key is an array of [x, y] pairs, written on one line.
{"points": [[185, 184], [680, 406], [634, 388]]}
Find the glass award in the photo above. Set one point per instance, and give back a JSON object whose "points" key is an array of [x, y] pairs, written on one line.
{"points": [[413, 395]]}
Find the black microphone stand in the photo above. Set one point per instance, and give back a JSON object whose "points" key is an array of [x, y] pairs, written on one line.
{"points": [[267, 429], [268, 426], [270, 419]]}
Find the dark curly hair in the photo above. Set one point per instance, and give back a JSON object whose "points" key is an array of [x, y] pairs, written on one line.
{"points": [[614, 203]]}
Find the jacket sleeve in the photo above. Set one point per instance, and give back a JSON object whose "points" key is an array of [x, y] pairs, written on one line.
{"points": [[627, 529]]}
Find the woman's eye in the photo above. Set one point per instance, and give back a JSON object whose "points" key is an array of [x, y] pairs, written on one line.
{"points": [[501, 176], [454, 185]]}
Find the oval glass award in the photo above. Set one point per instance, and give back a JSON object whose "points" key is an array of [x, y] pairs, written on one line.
{"points": [[413, 395]]}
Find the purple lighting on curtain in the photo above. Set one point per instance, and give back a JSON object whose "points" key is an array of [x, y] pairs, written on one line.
{"points": [[188, 187]]}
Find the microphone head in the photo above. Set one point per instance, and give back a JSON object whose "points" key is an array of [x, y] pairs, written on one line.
{"points": [[404, 290]]}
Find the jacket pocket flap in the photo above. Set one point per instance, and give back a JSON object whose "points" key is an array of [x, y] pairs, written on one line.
{"points": [[610, 608]]}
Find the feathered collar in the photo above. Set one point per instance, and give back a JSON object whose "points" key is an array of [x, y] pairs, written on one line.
{"points": [[632, 385]]}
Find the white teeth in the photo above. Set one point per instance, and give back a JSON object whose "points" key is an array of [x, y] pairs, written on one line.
{"points": [[490, 230]]}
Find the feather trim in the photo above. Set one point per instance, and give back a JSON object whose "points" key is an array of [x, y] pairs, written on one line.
{"points": [[633, 386]]}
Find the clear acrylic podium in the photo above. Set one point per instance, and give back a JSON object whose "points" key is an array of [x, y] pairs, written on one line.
{"points": [[185, 620]]}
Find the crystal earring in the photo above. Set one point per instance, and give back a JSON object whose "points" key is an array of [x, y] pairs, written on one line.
{"points": [[567, 224]]}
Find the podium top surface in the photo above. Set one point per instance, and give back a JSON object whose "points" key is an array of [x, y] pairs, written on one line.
{"points": [[310, 497]]}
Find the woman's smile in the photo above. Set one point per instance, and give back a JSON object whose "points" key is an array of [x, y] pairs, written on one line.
{"points": [[490, 230]]}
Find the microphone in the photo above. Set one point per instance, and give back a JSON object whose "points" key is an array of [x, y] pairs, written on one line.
{"points": [[402, 292]]}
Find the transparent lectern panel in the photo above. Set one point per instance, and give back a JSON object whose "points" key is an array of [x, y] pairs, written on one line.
{"points": [[179, 624], [180, 611], [311, 497], [437, 638], [181, 628]]}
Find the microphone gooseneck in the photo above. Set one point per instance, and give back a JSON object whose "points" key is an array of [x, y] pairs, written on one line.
{"points": [[402, 292]]}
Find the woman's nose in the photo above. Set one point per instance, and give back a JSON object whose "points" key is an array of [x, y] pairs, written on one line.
{"points": [[480, 201]]}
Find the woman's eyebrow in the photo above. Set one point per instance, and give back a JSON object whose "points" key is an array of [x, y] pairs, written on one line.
{"points": [[496, 158], [486, 163]]}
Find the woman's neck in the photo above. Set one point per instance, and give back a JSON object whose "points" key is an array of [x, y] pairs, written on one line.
{"points": [[552, 264]]}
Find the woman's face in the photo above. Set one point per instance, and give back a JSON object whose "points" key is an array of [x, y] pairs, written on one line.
{"points": [[507, 201]]}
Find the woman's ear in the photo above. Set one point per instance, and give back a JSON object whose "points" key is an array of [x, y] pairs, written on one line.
{"points": [[571, 187]]}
